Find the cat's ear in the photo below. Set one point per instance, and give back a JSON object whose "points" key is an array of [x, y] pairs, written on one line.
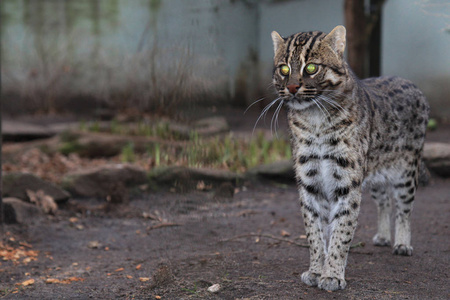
{"points": [[277, 40], [336, 39]]}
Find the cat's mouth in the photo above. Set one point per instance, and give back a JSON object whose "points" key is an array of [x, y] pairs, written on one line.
{"points": [[301, 98], [300, 102]]}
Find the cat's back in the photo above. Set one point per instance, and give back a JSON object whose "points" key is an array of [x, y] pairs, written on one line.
{"points": [[397, 99]]}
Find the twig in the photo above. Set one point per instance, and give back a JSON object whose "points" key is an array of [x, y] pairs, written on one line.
{"points": [[269, 236], [162, 225], [358, 245]]}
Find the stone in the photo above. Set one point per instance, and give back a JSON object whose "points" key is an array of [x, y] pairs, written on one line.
{"points": [[17, 211], [108, 182], [16, 184], [20, 131], [215, 288], [282, 171], [437, 158]]}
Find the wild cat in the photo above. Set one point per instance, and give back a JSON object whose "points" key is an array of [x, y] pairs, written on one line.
{"points": [[346, 132]]}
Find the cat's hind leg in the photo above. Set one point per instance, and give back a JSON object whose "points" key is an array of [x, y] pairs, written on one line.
{"points": [[404, 194], [382, 197]]}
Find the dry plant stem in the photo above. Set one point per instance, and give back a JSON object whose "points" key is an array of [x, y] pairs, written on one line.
{"points": [[163, 225], [269, 236]]}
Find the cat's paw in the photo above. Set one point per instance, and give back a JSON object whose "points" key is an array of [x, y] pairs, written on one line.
{"points": [[381, 241], [332, 283], [403, 250], [311, 279]]}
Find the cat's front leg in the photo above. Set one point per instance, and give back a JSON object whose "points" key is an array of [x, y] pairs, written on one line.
{"points": [[314, 234], [343, 220]]}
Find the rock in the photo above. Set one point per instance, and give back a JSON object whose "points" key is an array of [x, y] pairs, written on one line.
{"points": [[282, 170], [20, 131], [46, 203], [21, 212], [437, 158], [215, 288], [17, 184], [184, 178], [108, 182]]}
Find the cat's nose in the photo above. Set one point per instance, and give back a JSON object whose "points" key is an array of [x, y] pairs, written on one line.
{"points": [[293, 88]]}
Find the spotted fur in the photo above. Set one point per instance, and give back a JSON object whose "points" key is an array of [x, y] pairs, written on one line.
{"points": [[347, 133]]}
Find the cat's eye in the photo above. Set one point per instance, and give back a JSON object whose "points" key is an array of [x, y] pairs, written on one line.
{"points": [[311, 68], [285, 70]]}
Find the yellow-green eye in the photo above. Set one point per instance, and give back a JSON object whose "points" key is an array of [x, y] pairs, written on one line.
{"points": [[311, 68], [285, 70]]}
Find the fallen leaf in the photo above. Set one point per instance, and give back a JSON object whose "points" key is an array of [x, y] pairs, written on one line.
{"points": [[75, 279], [52, 280], [119, 270], [94, 245], [285, 233], [138, 267], [27, 282], [144, 279], [129, 277], [158, 297], [43, 201], [303, 236], [63, 281]]}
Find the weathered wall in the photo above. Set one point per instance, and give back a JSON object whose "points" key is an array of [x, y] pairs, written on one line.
{"points": [[135, 52], [416, 45], [155, 53]]}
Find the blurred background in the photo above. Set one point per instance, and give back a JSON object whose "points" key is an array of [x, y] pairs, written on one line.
{"points": [[96, 57]]}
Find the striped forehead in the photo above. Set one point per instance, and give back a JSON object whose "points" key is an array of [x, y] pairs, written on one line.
{"points": [[299, 45]]}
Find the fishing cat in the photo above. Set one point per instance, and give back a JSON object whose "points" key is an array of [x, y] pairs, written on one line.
{"points": [[346, 132]]}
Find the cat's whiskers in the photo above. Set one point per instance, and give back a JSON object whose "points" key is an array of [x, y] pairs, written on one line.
{"points": [[274, 121], [333, 103], [322, 108], [259, 100], [264, 112]]}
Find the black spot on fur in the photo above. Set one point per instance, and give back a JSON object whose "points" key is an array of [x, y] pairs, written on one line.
{"points": [[342, 162], [311, 189], [311, 173], [409, 200], [341, 191], [356, 183]]}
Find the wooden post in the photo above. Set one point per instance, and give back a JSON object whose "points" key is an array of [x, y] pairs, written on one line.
{"points": [[355, 22]]}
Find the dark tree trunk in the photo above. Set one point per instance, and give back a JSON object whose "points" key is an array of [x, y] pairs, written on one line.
{"points": [[374, 33], [355, 23]]}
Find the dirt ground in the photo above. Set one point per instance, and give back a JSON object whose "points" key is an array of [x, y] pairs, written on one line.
{"points": [[174, 246]]}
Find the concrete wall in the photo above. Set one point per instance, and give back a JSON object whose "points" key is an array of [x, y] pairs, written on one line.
{"points": [[416, 46], [142, 50]]}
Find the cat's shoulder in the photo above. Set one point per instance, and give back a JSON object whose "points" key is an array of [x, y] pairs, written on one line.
{"points": [[389, 82]]}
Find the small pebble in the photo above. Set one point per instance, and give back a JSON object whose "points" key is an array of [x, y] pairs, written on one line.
{"points": [[214, 288]]}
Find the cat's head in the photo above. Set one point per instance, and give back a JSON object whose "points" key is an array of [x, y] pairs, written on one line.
{"points": [[309, 67]]}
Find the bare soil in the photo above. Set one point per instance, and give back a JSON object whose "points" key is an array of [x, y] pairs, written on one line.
{"points": [[174, 246]]}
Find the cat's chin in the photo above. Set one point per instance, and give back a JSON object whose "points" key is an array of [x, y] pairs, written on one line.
{"points": [[299, 105]]}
